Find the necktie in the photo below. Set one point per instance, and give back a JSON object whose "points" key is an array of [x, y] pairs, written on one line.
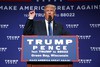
{"points": [[50, 29]]}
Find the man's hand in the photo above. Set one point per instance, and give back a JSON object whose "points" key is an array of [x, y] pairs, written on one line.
{"points": [[32, 14]]}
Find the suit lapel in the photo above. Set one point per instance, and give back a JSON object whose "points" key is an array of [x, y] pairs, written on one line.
{"points": [[54, 28], [43, 28]]}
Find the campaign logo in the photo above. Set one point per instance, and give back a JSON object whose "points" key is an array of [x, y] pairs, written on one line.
{"points": [[84, 36], [4, 25], [49, 48], [3, 49], [94, 25], [13, 37], [72, 25], [9, 61], [21, 26], [19, 48], [95, 48], [85, 61]]}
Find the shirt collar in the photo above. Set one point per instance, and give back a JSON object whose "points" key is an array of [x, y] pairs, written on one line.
{"points": [[47, 21]]}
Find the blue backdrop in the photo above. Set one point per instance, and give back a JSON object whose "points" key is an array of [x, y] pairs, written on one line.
{"points": [[79, 17]]}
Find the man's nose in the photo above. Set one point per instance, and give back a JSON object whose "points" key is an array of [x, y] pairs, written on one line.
{"points": [[49, 13]]}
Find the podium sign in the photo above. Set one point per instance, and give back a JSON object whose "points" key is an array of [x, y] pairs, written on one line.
{"points": [[49, 49]]}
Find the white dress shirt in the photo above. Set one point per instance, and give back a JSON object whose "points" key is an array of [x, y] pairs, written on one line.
{"points": [[51, 24]]}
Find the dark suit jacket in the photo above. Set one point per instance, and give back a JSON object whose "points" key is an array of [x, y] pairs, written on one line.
{"points": [[39, 28]]}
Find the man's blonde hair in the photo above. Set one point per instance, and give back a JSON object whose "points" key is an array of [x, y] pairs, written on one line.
{"points": [[50, 5]]}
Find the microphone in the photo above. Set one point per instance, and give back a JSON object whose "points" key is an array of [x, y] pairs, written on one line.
{"points": [[49, 18]]}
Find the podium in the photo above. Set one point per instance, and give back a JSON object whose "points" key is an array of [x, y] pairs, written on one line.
{"points": [[57, 64], [49, 51]]}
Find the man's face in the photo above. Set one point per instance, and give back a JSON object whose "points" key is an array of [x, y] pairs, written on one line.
{"points": [[49, 11]]}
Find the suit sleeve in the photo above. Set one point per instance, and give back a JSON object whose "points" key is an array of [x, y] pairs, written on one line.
{"points": [[28, 29], [64, 32]]}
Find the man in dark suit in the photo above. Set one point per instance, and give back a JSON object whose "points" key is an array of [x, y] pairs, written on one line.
{"points": [[41, 27], [33, 27]]}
